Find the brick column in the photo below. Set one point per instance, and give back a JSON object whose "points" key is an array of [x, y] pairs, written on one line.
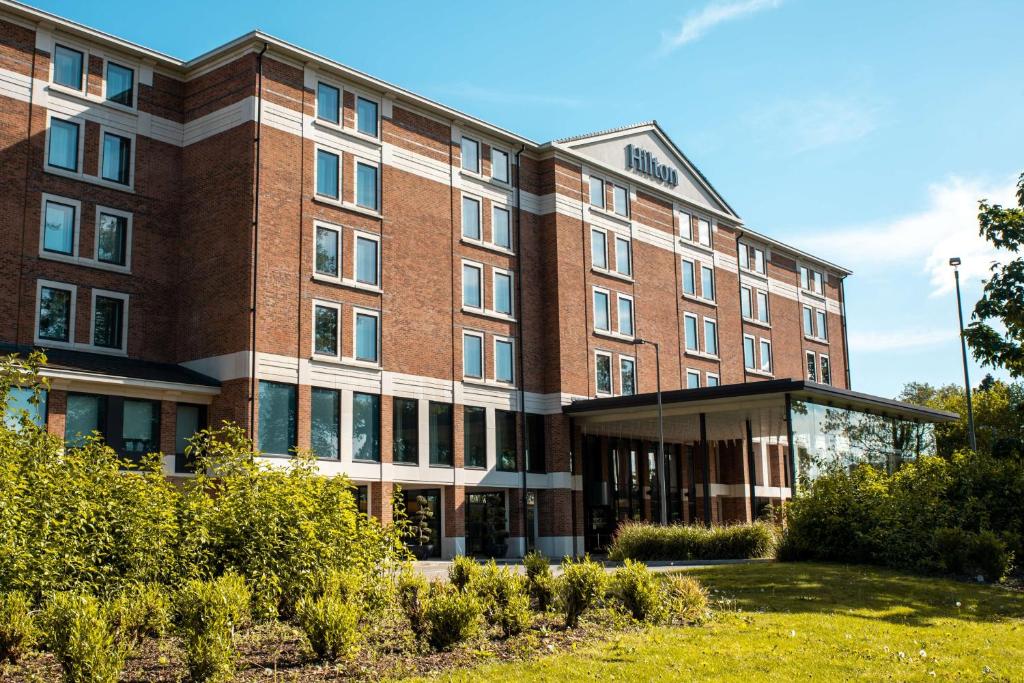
{"points": [[56, 412], [168, 426], [458, 437], [387, 437], [381, 493], [304, 398], [454, 520]]}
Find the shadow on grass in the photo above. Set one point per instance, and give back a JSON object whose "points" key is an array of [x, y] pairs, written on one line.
{"points": [[859, 591]]}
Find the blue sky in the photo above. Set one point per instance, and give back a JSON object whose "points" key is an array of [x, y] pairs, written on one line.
{"points": [[864, 132]]}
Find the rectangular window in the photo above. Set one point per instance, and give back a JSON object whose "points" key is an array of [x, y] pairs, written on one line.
{"points": [[766, 355], [743, 255], [812, 366], [689, 279], [707, 283], [188, 421], [692, 379], [500, 232], [759, 261], [762, 306], [602, 317], [367, 261], [59, 228], [112, 238], [596, 192], [140, 428], [120, 84], [599, 249], [21, 400], [325, 329], [406, 430], [325, 422], [503, 364], [474, 435], [627, 376], [108, 321], [328, 103], [625, 315], [745, 304], [818, 283], [470, 155], [67, 67], [822, 324], [704, 232], [710, 337], [365, 427], [86, 413], [55, 314], [471, 218], [327, 251], [603, 372], [63, 152], [366, 337], [366, 116], [686, 226], [713, 380], [327, 174], [536, 451], [502, 293], [440, 422], [366, 186], [748, 353], [505, 439], [499, 165], [620, 200], [808, 321], [472, 286], [472, 355], [826, 370], [117, 159], [623, 256], [277, 418], [690, 325]]}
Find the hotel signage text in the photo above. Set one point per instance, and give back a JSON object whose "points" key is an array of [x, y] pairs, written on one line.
{"points": [[643, 161]]}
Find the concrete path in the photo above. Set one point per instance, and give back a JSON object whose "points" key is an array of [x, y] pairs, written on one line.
{"points": [[438, 569]]}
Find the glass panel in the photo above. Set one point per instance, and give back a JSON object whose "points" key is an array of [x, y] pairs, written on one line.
{"points": [[712, 381], [597, 192], [505, 439], [503, 361], [141, 427], [327, 251], [499, 165], [472, 356], [766, 356], [707, 282], [188, 422], [365, 427], [822, 326], [120, 84], [691, 333], [325, 418], [601, 321], [621, 199], [111, 239], [440, 420], [500, 229], [812, 367], [686, 226], [67, 67], [623, 261], [328, 99], [406, 430], [326, 333], [54, 314], [117, 158], [471, 295], [326, 174], [366, 337], [704, 231], [762, 307], [625, 316], [86, 413], [692, 380], [59, 228], [367, 259], [711, 337], [689, 279], [744, 256], [628, 371], [759, 261], [470, 218], [366, 116], [536, 448], [474, 429], [604, 374], [502, 293], [745, 307], [20, 401], [108, 322], [748, 353], [598, 249], [808, 322], [366, 184], [470, 155], [277, 425], [826, 371], [63, 151]]}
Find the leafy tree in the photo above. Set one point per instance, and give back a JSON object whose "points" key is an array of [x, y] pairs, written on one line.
{"points": [[1002, 300]]}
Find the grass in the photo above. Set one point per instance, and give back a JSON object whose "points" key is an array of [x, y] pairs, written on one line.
{"points": [[811, 622]]}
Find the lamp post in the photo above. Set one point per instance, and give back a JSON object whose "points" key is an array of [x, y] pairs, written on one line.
{"points": [[662, 468], [971, 441]]}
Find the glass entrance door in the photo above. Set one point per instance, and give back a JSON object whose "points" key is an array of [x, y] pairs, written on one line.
{"points": [[486, 524], [430, 500]]}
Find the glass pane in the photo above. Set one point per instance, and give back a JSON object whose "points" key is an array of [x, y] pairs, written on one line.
{"points": [[598, 249], [621, 199], [141, 427], [185, 426], [326, 174], [691, 333], [366, 116], [277, 418], [499, 165], [812, 367], [604, 374], [503, 293], [766, 356], [327, 102], [406, 430], [536, 451], [327, 251], [826, 371], [505, 439], [470, 218], [366, 184], [63, 145], [440, 420], [601, 311], [711, 337], [503, 361], [120, 84], [748, 352], [366, 427], [67, 67], [689, 281], [762, 307], [117, 153], [59, 228], [86, 413], [704, 231], [366, 337], [822, 327], [470, 155], [625, 316], [366, 261], [326, 332], [744, 256], [501, 234], [622, 257], [707, 282], [759, 260], [54, 314], [628, 376], [325, 418], [20, 401], [808, 323], [475, 436], [692, 380], [745, 303], [111, 242], [597, 192], [712, 381], [108, 322], [471, 295], [472, 356]]}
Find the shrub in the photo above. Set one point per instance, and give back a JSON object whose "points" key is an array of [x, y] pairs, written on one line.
{"points": [[83, 639], [140, 611], [463, 571], [990, 556], [686, 600], [581, 585], [540, 581], [18, 630], [331, 623], [413, 595], [453, 616], [503, 597], [640, 592], [208, 613], [643, 541], [953, 547]]}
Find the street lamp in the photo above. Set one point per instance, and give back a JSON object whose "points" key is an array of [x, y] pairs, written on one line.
{"points": [[971, 441], [662, 468]]}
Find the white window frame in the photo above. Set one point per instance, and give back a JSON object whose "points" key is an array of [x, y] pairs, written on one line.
{"points": [[462, 157], [341, 104], [629, 256], [685, 226], [619, 298], [323, 303], [821, 323], [824, 360], [337, 201], [714, 323], [604, 201], [479, 218], [53, 284], [508, 165], [370, 237], [695, 266], [749, 292], [810, 365], [692, 373], [593, 302], [80, 122], [615, 208], [696, 331], [123, 349], [356, 161], [623, 359], [495, 272], [711, 227], [611, 375], [77, 227], [807, 320], [370, 313], [767, 318], [60, 87], [714, 285], [127, 215], [130, 135], [134, 68], [604, 235], [762, 342], [483, 366], [339, 232], [479, 267], [495, 208], [707, 379], [495, 340], [753, 353], [374, 100]]}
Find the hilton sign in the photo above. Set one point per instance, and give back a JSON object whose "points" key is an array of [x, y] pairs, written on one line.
{"points": [[643, 161]]}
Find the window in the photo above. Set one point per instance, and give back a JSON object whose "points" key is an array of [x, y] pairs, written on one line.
{"points": [[366, 116], [325, 422], [328, 103], [826, 370], [130, 426], [745, 304], [811, 280], [710, 337], [536, 450], [751, 258], [602, 317], [818, 283], [111, 237], [406, 430], [140, 428], [499, 165], [625, 315], [690, 331], [440, 422], [599, 248], [108, 317], [623, 256], [603, 372], [627, 376], [704, 232], [503, 364], [713, 380], [620, 200], [596, 192], [188, 420], [68, 67], [808, 321], [325, 329], [759, 261], [120, 84], [56, 314], [470, 155], [762, 306], [685, 226], [502, 292], [327, 247], [500, 232], [21, 400], [748, 353], [365, 426], [707, 282], [117, 159], [474, 430], [366, 186], [472, 355], [505, 439], [366, 337], [689, 279], [327, 174], [472, 286], [367, 261], [812, 366], [471, 218], [85, 414], [766, 355], [63, 152], [822, 324], [59, 222], [277, 417], [692, 379]]}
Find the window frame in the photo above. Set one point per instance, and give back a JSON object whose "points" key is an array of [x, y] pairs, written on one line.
{"points": [[483, 368], [593, 242], [821, 323], [619, 299], [79, 123], [500, 339], [686, 221], [628, 201], [81, 91], [708, 377], [711, 228], [338, 231], [693, 374], [766, 318], [358, 311], [762, 344], [76, 227], [704, 268], [495, 208], [358, 118], [295, 409], [607, 309], [135, 84], [482, 412], [747, 297], [337, 418], [824, 368], [714, 326], [118, 350], [340, 113], [368, 237], [507, 180], [620, 239], [479, 267], [753, 366], [808, 321], [598, 353], [696, 333], [479, 218], [590, 189], [462, 156], [395, 418], [317, 149], [317, 355], [126, 267], [495, 273], [682, 275], [623, 361], [132, 140], [810, 366], [72, 314], [368, 163], [379, 420]]}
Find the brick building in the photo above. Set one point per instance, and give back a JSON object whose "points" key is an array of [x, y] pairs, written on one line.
{"points": [[420, 298]]}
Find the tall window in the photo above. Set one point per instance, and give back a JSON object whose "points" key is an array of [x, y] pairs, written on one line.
{"points": [[85, 414], [117, 159], [472, 355], [328, 103], [59, 228], [689, 279], [707, 282], [745, 303], [55, 307], [499, 165], [325, 330], [602, 318], [366, 116], [406, 430], [366, 337], [500, 232], [692, 379], [505, 439], [63, 152], [751, 258], [440, 422], [67, 67], [472, 286], [277, 418], [762, 306], [704, 231], [327, 174], [474, 430], [826, 370], [365, 427], [120, 84], [536, 451], [366, 186], [620, 200], [367, 261], [112, 238], [108, 322], [808, 321], [748, 353], [812, 366], [766, 355], [327, 248], [710, 337], [503, 365], [325, 422], [598, 248], [812, 280], [627, 376], [140, 428], [690, 330], [502, 293], [596, 192], [603, 372], [822, 324], [470, 155], [623, 256], [470, 218], [625, 315]]}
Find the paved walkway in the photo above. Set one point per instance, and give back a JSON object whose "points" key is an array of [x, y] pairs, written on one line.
{"points": [[438, 569]]}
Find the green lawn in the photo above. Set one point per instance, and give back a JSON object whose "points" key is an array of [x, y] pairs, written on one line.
{"points": [[810, 622]]}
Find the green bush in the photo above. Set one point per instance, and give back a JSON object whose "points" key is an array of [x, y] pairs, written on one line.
{"points": [[208, 614], [141, 611], [331, 624], [82, 637], [18, 630], [504, 599], [991, 556], [413, 596], [463, 571], [686, 600], [640, 592], [452, 615], [677, 542], [581, 585], [539, 580]]}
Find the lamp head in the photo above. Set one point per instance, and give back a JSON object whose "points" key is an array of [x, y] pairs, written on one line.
{"points": [[955, 261]]}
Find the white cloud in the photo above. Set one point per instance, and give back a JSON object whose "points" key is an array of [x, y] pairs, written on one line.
{"points": [[502, 96], [699, 23], [810, 123], [897, 340]]}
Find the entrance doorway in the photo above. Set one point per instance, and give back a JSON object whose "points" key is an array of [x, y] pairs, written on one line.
{"points": [[430, 499], [486, 524]]}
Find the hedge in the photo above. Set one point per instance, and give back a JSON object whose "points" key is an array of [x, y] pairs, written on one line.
{"points": [[677, 542]]}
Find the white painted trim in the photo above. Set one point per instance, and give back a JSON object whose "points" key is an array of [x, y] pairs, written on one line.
{"points": [[598, 353], [73, 289]]}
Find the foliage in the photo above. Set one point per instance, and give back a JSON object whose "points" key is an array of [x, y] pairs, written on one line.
{"points": [[686, 600], [581, 585], [420, 531], [83, 638], [208, 614], [540, 582], [331, 624], [413, 595], [463, 571], [504, 599], [142, 611], [640, 592], [452, 615], [18, 629], [643, 541]]}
